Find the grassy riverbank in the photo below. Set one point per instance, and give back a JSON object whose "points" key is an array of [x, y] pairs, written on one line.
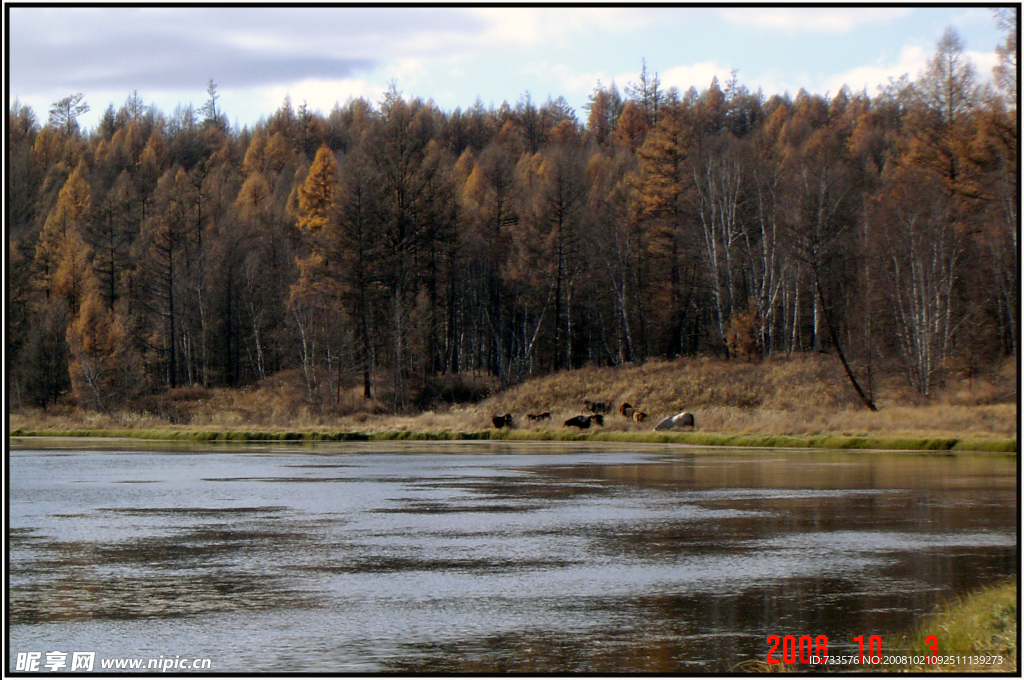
{"points": [[974, 633], [996, 445], [803, 401]]}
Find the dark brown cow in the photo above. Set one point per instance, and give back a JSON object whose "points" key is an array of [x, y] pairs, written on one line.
{"points": [[546, 415], [582, 422], [502, 421], [626, 409], [595, 406]]}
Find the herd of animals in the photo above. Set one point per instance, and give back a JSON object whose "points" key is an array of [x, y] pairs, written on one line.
{"points": [[598, 410]]}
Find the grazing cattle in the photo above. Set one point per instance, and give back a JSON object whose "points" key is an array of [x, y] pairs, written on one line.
{"points": [[582, 422], [683, 419], [539, 416], [639, 416], [502, 421], [598, 418], [595, 406], [625, 409]]}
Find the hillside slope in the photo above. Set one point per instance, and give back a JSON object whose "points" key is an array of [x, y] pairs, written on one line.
{"points": [[803, 394], [799, 395]]}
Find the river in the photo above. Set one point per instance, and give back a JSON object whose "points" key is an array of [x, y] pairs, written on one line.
{"points": [[483, 557]]}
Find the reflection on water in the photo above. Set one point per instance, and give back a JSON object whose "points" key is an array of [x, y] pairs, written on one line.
{"points": [[490, 557]]}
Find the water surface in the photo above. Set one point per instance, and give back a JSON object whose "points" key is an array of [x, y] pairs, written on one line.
{"points": [[529, 557]]}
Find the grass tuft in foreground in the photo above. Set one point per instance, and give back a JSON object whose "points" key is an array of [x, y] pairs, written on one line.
{"points": [[972, 631]]}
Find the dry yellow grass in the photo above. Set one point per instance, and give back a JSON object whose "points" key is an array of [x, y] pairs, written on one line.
{"points": [[801, 395], [807, 394]]}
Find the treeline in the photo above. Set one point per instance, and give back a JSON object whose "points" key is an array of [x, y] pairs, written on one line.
{"points": [[382, 246]]}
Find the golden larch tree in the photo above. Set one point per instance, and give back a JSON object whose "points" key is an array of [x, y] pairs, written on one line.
{"points": [[70, 214]]}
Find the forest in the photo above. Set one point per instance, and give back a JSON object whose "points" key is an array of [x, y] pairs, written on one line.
{"points": [[383, 246]]}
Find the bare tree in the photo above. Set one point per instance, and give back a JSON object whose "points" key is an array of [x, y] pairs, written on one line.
{"points": [[64, 113], [921, 251], [718, 179]]}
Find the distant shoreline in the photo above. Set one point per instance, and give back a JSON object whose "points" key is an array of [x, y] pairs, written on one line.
{"points": [[824, 441]]}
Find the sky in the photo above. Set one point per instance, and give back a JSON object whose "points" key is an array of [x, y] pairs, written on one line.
{"points": [[324, 55]]}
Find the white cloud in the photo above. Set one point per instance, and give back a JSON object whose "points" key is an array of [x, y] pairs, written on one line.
{"points": [[811, 19], [258, 40], [507, 27], [406, 71], [520, 26], [566, 80], [773, 81], [984, 62], [320, 95], [912, 61], [697, 75]]}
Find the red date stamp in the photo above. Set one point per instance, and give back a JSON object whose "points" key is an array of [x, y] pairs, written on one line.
{"points": [[813, 651], [792, 649], [804, 649]]}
